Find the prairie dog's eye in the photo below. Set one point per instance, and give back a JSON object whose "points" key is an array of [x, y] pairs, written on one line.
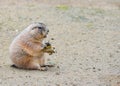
{"points": [[39, 27]]}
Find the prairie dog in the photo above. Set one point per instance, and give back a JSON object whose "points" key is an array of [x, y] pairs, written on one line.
{"points": [[26, 49]]}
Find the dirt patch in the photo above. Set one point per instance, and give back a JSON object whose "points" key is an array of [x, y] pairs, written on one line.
{"points": [[86, 36]]}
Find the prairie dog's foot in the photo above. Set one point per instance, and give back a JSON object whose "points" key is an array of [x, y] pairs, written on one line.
{"points": [[43, 68]]}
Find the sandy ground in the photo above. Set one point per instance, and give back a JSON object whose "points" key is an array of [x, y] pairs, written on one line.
{"points": [[86, 36]]}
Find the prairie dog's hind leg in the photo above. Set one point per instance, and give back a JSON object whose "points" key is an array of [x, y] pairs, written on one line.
{"points": [[33, 66], [36, 66], [42, 63], [27, 63]]}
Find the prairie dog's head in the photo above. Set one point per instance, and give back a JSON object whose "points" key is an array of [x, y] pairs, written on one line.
{"points": [[38, 30]]}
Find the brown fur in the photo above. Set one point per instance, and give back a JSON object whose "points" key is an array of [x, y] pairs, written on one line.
{"points": [[26, 49]]}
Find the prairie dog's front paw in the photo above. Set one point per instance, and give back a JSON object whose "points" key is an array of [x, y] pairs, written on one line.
{"points": [[48, 45], [48, 48]]}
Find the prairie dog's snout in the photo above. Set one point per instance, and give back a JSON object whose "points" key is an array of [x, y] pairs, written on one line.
{"points": [[42, 28], [45, 32]]}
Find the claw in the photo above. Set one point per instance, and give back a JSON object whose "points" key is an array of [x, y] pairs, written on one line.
{"points": [[43, 69]]}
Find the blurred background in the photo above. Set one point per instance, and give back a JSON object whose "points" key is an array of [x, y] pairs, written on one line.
{"points": [[86, 36]]}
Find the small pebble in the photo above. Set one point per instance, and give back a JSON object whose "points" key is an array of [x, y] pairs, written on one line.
{"points": [[52, 38], [80, 64], [93, 67], [57, 73], [57, 84], [118, 83], [111, 55], [117, 51], [99, 69], [58, 67]]}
